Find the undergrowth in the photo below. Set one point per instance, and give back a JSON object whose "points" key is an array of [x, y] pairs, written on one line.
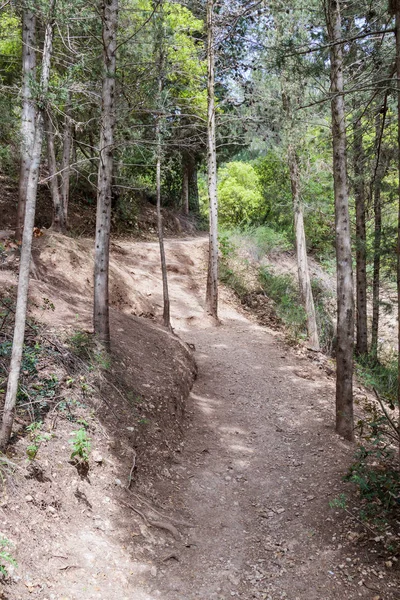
{"points": [[243, 251], [283, 291], [379, 376]]}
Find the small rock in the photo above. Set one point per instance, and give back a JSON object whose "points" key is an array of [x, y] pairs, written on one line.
{"points": [[153, 571], [97, 457], [29, 498], [280, 511], [51, 509], [118, 482]]}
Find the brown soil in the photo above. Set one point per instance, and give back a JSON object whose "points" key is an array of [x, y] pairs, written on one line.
{"points": [[252, 475]]}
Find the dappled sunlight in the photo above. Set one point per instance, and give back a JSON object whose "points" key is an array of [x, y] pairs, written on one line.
{"points": [[241, 449]]}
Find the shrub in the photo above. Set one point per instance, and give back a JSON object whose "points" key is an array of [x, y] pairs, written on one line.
{"points": [[81, 445], [239, 194], [283, 291]]}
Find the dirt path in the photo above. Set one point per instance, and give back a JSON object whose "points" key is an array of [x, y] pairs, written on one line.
{"points": [[254, 476], [259, 466]]}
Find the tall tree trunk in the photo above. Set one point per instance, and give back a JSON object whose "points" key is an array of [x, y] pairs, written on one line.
{"points": [[101, 320], [361, 240], [212, 276], [65, 162], [345, 300], [58, 223], [28, 115], [166, 311], [397, 26], [185, 184], [301, 251], [160, 35], [193, 186], [379, 173], [29, 221]]}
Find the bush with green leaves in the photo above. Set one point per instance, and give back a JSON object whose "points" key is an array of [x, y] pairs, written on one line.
{"points": [[377, 480], [80, 445], [283, 291], [6, 558], [37, 437], [239, 195]]}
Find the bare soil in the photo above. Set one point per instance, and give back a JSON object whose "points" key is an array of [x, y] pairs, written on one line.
{"points": [[236, 503]]}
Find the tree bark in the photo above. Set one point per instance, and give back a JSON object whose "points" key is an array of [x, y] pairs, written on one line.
{"points": [[101, 319], [301, 251], [65, 163], [58, 223], [379, 173], [345, 300], [29, 221], [397, 27], [185, 185], [194, 205], [28, 115], [166, 310], [361, 240], [212, 276]]}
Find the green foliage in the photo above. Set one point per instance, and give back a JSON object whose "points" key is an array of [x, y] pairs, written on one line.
{"points": [[267, 240], [283, 291], [232, 280], [239, 195], [325, 325], [37, 437], [340, 502], [381, 376], [6, 558], [81, 445], [377, 480], [84, 345]]}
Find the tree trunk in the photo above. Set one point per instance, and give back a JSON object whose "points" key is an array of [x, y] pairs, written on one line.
{"points": [[65, 163], [379, 173], [101, 320], [194, 205], [160, 38], [28, 115], [29, 221], [301, 251], [345, 300], [361, 240], [58, 223], [212, 276], [397, 26], [185, 185], [166, 311]]}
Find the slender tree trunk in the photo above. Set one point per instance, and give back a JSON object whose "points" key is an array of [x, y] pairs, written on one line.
{"points": [[28, 112], [361, 240], [345, 300], [160, 34], [301, 251], [58, 223], [65, 163], [379, 173], [193, 186], [185, 185], [29, 221], [397, 26], [101, 320], [212, 276], [166, 311]]}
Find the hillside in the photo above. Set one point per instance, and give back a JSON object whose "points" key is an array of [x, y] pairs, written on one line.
{"points": [[230, 488]]}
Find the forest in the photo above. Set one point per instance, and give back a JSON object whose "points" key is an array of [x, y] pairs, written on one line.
{"points": [[244, 154]]}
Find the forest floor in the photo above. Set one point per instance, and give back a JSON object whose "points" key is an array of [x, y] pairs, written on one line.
{"points": [[254, 474]]}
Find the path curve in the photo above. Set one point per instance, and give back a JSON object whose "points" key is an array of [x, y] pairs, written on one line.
{"points": [[260, 463]]}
